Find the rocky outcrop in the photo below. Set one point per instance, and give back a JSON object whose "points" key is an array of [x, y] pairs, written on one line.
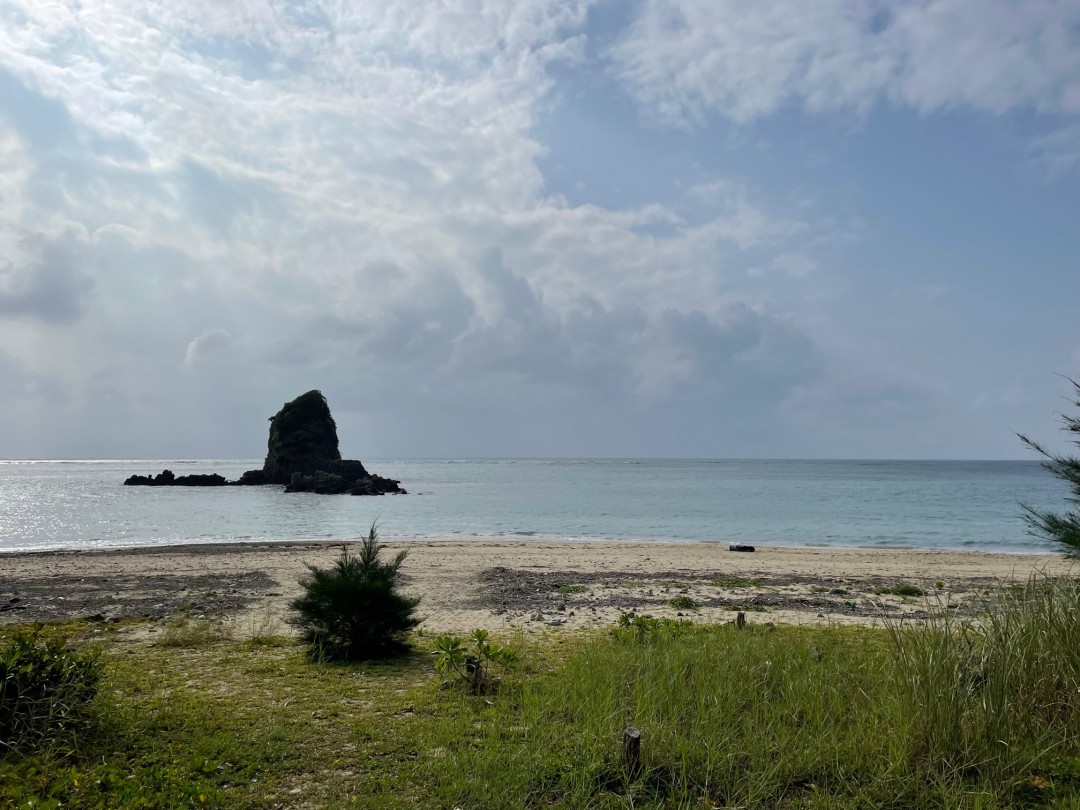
{"points": [[166, 478], [301, 454]]}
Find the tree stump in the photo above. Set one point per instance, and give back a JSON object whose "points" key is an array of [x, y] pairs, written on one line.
{"points": [[631, 752], [740, 620]]}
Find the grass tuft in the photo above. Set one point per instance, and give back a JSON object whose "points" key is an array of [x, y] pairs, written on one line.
{"points": [[683, 603], [900, 590], [736, 582], [189, 633]]}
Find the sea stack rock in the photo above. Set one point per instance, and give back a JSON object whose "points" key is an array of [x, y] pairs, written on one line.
{"points": [[302, 453]]}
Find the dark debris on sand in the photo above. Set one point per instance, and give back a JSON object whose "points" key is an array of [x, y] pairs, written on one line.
{"points": [[129, 596], [508, 590]]}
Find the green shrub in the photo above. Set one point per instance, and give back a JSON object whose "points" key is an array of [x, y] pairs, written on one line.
{"points": [[352, 611], [46, 688]]}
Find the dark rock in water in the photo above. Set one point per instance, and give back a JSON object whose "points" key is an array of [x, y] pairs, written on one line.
{"points": [[303, 437], [301, 454], [166, 478]]}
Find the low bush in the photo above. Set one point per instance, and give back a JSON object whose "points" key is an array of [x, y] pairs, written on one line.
{"points": [[46, 689], [352, 611]]}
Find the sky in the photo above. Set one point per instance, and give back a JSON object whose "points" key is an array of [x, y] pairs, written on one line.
{"points": [[540, 228]]}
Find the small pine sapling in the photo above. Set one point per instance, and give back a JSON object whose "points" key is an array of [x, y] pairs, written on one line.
{"points": [[352, 611]]}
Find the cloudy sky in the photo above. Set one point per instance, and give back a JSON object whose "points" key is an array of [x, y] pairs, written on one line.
{"points": [[725, 228]]}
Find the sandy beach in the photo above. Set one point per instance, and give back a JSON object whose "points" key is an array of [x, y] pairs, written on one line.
{"points": [[529, 585]]}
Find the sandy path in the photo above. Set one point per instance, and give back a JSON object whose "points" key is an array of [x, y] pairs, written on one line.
{"points": [[521, 584]]}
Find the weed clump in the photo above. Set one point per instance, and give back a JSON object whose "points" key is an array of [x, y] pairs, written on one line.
{"points": [[46, 688], [683, 603], [900, 590], [352, 611]]}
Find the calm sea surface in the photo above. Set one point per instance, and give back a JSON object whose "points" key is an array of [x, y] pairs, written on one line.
{"points": [[971, 505]]}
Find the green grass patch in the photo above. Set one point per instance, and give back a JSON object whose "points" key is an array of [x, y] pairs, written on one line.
{"points": [[185, 632], [736, 582], [900, 590], [944, 715], [683, 603], [571, 589]]}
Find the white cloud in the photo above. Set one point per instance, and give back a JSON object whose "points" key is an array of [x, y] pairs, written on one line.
{"points": [[349, 197], [206, 345], [685, 59]]}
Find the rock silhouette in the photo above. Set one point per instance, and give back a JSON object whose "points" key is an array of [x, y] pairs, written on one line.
{"points": [[166, 478], [301, 453]]}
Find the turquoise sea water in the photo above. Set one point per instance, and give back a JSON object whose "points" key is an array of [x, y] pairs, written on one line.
{"points": [[971, 505]]}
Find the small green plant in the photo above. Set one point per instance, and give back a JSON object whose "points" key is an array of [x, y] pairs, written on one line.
{"points": [[643, 629], [473, 664], [900, 590], [683, 603], [939, 584], [46, 688], [839, 591], [352, 611], [736, 582], [572, 589]]}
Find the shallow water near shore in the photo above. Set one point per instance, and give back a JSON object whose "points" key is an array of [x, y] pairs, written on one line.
{"points": [[963, 505]]}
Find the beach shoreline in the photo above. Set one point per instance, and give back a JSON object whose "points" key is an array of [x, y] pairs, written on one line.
{"points": [[531, 585]]}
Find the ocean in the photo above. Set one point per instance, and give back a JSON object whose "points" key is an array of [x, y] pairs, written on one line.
{"points": [[967, 505]]}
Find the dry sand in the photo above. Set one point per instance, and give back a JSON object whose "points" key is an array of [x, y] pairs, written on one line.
{"points": [[532, 585]]}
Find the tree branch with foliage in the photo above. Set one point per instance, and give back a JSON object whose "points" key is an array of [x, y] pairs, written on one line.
{"points": [[1062, 527]]}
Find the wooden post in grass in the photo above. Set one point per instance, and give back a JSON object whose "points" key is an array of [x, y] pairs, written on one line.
{"points": [[740, 620], [631, 752]]}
